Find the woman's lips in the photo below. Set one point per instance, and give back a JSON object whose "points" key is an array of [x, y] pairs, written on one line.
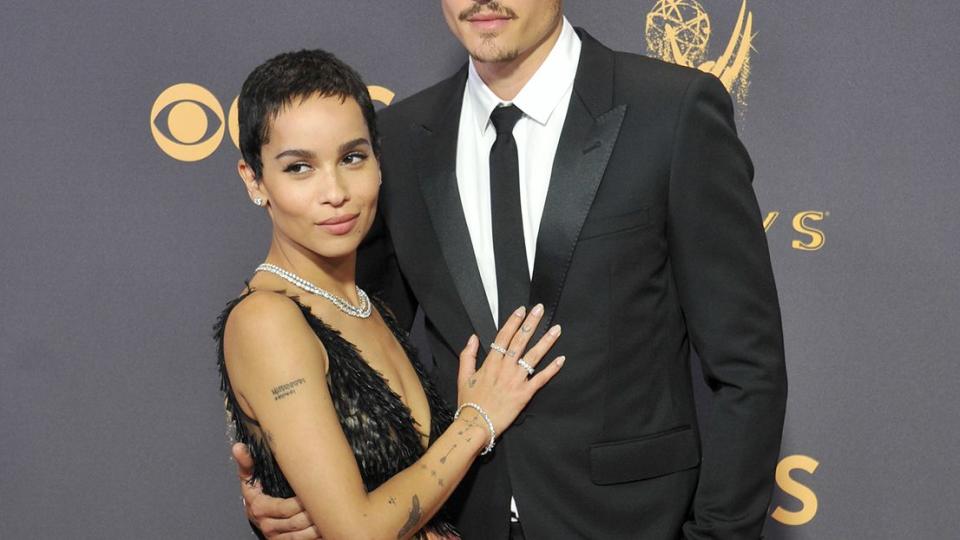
{"points": [[339, 225]]}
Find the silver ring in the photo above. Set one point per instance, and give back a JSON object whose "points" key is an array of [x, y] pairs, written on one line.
{"points": [[498, 348], [523, 363]]}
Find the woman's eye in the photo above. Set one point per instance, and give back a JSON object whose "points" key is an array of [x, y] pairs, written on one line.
{"points": [[297, 168], [354, 157]]}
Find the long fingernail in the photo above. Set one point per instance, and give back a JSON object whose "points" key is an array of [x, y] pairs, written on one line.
{"points": [[472, 341], [555, 331], [561, 360], [538, 309], [520, 311]]}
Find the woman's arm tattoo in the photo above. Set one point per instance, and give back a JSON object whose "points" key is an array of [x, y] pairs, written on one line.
{"points": [[444, 458], [284, 390], [412, 519]]}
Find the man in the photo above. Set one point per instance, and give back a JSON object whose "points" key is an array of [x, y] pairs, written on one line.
{"points": [[613, 189]]}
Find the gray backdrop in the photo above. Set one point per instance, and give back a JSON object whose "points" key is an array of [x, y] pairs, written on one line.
{"points": [[116, 256]]}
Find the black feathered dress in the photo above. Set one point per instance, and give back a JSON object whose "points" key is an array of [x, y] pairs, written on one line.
{"points": [[379, 426]]}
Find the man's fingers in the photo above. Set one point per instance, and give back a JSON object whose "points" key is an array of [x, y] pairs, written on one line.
{"points": [[298, 522], [244, 460], [287, 508], [307, 534], [263, 507], [250, 490]]}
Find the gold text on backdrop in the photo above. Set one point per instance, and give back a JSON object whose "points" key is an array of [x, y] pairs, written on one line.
{"points": [[806, 496]]}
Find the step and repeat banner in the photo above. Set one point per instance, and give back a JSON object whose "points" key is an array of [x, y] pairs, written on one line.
{"points": [[125, 228]]}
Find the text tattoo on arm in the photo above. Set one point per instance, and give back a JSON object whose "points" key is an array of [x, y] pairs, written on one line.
{"points": [[284, 390]]}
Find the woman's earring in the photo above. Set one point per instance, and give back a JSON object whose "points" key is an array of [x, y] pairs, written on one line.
{"points": [[258, 201]]}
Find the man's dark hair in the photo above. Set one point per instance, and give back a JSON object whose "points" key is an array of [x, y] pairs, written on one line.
{"points": [[276, 83]]}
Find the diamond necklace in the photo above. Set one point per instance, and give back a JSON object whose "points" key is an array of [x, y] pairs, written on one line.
{"points": [[362, 311]]}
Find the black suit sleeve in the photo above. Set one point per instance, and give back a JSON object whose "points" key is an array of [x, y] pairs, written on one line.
{"points": [[379, 272], [721, 265]]}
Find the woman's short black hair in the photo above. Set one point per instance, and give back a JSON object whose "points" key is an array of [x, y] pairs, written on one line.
{"points": [[289, 76]]}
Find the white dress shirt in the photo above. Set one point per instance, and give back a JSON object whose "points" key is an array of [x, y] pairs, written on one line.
{"points": [[544, 101]]}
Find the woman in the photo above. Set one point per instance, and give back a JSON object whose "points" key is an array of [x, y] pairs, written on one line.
{"points": [[321, 383]]}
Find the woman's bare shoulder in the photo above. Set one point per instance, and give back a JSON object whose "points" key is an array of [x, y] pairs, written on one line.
{"points": [[269, 325], [262, 306]]}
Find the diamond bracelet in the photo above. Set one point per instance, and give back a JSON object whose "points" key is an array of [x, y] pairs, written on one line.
{"points": [[483, 413]]}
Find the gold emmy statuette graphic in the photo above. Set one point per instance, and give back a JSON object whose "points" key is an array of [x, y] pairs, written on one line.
{"points": [[806, 496], [678, 31], [187, 122]]}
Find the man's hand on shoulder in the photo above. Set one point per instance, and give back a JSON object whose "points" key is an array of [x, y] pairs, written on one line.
{"points": [[280, 519]]}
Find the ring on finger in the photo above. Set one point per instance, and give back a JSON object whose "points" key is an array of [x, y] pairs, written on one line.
{"points": [[523, 363], [500, 349]]}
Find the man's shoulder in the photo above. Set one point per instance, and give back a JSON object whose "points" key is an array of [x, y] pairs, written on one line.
{"points": [[642, 76], [419, 105], [654, 75], [631, 62]]}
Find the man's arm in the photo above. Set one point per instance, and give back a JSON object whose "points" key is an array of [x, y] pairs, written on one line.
{"points": [[721, 264], [270, 517]]}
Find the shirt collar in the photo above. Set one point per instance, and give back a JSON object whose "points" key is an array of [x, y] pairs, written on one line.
{"points": [[542, 93]]}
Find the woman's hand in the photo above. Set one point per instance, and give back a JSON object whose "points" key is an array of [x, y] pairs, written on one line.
{"points": [[503, 385]]}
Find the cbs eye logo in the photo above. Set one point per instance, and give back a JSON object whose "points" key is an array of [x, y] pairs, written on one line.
{"points": [[187, 120]]}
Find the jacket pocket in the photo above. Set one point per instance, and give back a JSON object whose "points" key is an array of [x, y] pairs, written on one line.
{"points": [[600, 226], [644, 457]]}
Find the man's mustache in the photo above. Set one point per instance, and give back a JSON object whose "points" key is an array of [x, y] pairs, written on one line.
{"points": [[495, 8]]}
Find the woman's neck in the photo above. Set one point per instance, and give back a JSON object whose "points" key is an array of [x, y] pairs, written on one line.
{"points": [[335, 275]]}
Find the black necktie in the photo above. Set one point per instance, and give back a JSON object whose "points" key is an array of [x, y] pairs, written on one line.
{"points": [[513, 275]]}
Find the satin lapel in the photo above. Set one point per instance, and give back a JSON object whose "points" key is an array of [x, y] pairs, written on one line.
{"points": [[583, 152], [435, 144]]}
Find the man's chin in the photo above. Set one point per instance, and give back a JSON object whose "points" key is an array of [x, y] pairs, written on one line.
{"points": [[491, 53]]}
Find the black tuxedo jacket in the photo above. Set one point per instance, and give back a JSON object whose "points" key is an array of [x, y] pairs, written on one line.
{"points": [[651, 242]]}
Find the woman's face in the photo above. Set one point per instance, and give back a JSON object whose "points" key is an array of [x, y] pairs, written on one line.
{"points": [[320, 176]]}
